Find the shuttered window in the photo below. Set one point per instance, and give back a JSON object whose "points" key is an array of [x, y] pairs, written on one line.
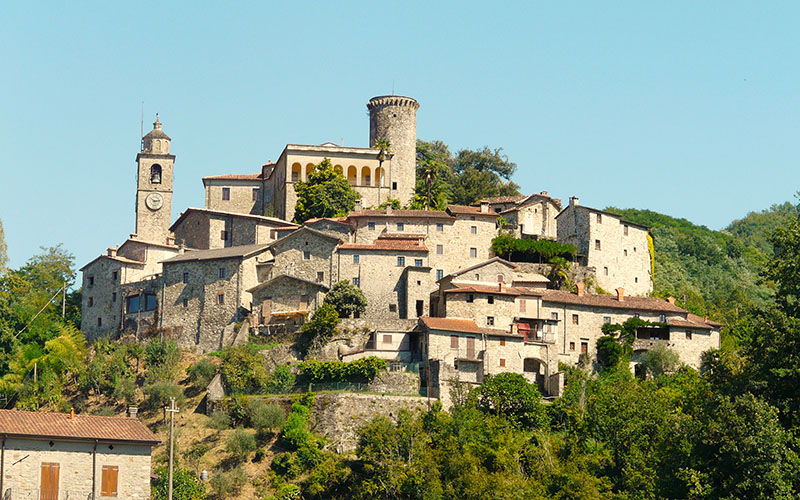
{"points": [[108, 482], [49, 482]]}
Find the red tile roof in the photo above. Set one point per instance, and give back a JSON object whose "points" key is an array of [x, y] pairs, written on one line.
{"points": [[503, 199], [452, 324], [699, 319], [432, 214], [467, 210], [43, 425], [335, 220], [495, 290], [609, 301], [401, 236], [389, 244], [689, 324], [235, 177]]}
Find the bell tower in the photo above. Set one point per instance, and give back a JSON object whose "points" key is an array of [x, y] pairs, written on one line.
{"points": [[154, 186]]}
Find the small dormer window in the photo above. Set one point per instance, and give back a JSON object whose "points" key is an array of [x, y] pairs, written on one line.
{"points": [[155, 174]]}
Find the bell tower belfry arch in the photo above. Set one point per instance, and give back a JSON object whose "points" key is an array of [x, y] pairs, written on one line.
{"points": [[154, 175]]}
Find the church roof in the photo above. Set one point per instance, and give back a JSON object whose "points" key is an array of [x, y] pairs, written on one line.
{"points": [[156, 133]]}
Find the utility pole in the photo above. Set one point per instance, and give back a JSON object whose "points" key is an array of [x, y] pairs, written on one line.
{"points": [[172, 410], [64, 302]]}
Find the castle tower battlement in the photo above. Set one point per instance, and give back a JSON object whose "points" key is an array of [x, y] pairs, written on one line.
{"points": [[394, 119]]}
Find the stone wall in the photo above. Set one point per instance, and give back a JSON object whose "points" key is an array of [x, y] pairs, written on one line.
{"points": [[290, 257], [153, 224], [23, 459], [241, 196], [394, 118]]}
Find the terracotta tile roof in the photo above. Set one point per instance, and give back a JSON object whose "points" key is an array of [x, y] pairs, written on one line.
{"points": [[484, 263], [689, 324], [699, 319], [503, 199], [116, 258], [388, 244], [467, 210], [399, 214], [495, 290], [451, 324], [401, 236], [235, 177], [44, 425], [335, 220], [609, 301]]}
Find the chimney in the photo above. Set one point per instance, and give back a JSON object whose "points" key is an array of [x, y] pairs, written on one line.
{"points": [[181, 248], [621, 294], [133, 411], [388, 210], [72, 413], [484, 207], [574, 201], [581, 287], [544, 193], [170, 240], [358, 207], [134, 236], [112, 252], [671, 300]]}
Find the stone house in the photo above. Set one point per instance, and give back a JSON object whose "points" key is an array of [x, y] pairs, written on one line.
{"points": [[205, 292], [205, 229], [285, 301], [53, 455], [305, 253], [532, 216], [617, 249], [238, 193]]}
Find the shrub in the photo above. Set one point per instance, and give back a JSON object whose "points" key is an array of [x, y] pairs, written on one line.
{"points": [[243, 370], [285, 465], [287, 492], [124, 389], [364, 369], [240, 443], [228, 484], [347, 299], [316, 332], [509, 395], [159, 394], [526, 250], [220, 420], [201, 372], [295, 433], [195, 453], [264, 415], [162, 358], [281, 380], [259, 456], [185, 485], [660, 360]]}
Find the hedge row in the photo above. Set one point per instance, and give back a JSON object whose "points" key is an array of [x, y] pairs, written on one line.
{"points": [[364, 369]]}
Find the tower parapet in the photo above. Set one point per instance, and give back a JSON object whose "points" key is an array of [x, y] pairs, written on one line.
{"points": [[394, 119]]}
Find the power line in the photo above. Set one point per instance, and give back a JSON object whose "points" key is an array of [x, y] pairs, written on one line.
{"points": [[63, 288]]}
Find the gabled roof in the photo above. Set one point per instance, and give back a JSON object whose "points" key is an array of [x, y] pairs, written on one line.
{"points": [[597, 211], [496, 290], [282, 277], [458, 325], [503, 199], [701, 320], [402, 245], [484, 263], [400, 214], [117, 258], [302, 230], [278, 223], [241, 251], [689, 324], [234, 177], [45, 426], [611, 302], [332, 220], [467, 210]]}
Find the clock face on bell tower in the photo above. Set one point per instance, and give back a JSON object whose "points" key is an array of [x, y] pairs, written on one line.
{"points": [[154, 186]]}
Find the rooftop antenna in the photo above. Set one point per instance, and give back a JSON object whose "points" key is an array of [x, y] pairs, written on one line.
{"points": [[141, 130]]}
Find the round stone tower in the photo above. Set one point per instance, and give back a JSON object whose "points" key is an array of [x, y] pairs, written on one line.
{"points": [[394, 119]]}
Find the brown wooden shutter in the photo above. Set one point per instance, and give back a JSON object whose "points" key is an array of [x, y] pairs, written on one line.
{"points": [[470, 347], [108, 483], [48, 489]]}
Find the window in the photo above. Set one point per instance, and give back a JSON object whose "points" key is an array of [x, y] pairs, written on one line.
{"points": [[114, 275], [320, 276], [394, 185], [473, 252], [688, 335], [597, 244], [554, 315], [473, 230], [401, 226], [477, 277], [635, 279], [439, 227], [91, 301], [635, 315], [599, 219], [502, 362], [387, 339], [392, 308], [185, 303], [371, 226], [439, 274], [222, 272], [132, 304], [355, 259], [572, 346], [256, 194], [149, 302], [306, 255], [185, 277], [91, 280], [108, 481], [472, 217], [155, 174], [453, 342], [401, 261], [418, 262], [273, 234], [501, 278], [634, 249], [489, 320], [223, 235], [99, 322], [221, 298], [625, 230], [522, 305], [113, 296], [490, 299], [605, 271], [625, 252], [662, 318], [502, 342], [575, 320], [226, 194], [439, 249], [606, 319], [356, 281], [470, 298]]}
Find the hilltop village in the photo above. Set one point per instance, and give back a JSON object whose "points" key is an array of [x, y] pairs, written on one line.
{"points": [[436, 295]]}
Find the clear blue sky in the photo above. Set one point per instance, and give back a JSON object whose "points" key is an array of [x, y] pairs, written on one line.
{"points": [[687, 108]]}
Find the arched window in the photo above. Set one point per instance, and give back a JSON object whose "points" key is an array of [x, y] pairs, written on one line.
{"points": [[380, 177], [296, 169], [309, 169], [365, 176], [352, 174], [338, 169], [155, 174]]}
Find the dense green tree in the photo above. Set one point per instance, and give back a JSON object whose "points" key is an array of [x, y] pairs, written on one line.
{"points": [[3, 249], [480, 174], [319, 329], [347, 299], [326, 193], [185, 485], [784, 267], [510, 396], [432, 190]]}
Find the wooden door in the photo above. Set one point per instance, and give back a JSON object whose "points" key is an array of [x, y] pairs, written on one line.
{"points": [[470, 348], [48, 489]]}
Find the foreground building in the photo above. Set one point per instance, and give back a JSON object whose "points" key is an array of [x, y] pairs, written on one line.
{"points": [[50, 456]]}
